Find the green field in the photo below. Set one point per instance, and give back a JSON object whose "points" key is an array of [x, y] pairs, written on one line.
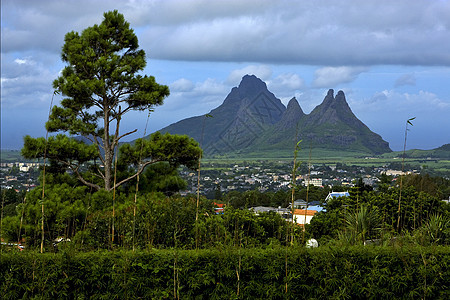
{"points": [[10, 156], [418, 159]]}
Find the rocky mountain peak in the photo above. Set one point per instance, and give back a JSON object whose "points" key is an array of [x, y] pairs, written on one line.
{"points": [[291, 115], [294, 106], [251, 83], [252, 118], [249, 87]]}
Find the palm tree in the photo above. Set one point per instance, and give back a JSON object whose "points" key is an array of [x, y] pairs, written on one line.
{"points": [[362, 224]]}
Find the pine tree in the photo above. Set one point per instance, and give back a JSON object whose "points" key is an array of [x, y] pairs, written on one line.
{"points": [[100, 84]]}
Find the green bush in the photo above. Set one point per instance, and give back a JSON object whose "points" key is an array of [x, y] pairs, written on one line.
{"points": [[230, 273]]}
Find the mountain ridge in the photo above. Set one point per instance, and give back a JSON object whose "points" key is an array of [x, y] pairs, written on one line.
{"points": [[251, 118]]}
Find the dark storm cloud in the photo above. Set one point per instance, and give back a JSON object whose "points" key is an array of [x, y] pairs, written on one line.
{"points": [[310, 32], [304, 32]]}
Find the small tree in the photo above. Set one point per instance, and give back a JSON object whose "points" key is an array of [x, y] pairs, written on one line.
{"points": [[101, 83], [408, 122], [362, 224]]}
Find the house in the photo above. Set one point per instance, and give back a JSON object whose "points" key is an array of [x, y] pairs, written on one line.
{"points": [[332, 195], [219, 207], [300, 204], [262, 209], [303, 216]]}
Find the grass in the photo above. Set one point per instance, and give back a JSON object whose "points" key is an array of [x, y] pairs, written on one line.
{"points": [[10, 155], [440, 167], [318, 156]]}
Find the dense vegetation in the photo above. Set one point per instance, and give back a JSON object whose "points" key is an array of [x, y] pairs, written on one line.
{"points": [[275, 273], [155, 217]]}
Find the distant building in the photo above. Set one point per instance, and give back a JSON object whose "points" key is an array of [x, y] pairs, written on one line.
{"points": [[395, 173], [262, 209], [219, 207], [298, 204], [313, 181], [24, 168], [286, 213], [303, 216], [332, 195]]}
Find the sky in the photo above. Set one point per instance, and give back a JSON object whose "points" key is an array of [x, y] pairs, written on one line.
{"points": [[391, 59]]}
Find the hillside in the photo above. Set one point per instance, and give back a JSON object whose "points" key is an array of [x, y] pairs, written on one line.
{"points": [[442, 152]]}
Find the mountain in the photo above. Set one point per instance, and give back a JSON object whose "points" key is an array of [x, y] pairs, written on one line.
{"points": [[246, 112], [332, 124], [251, 118]]}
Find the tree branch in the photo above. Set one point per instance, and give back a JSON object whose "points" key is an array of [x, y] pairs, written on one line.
{"points": [[116, 140], [125, 134], [84, 181], [75, 168], [139, 171], [90, 139], [101, 175], [98, 148]]}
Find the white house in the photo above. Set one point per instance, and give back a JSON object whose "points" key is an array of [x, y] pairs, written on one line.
{"points": [[303, 216]]}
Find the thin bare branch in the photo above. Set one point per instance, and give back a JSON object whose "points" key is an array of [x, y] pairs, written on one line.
{"points": [[74, 168], [140, 170], [125, 134], [84, 181]]}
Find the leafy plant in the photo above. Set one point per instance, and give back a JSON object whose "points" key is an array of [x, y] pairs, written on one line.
{"points": [[362, 224], [437, 228]]}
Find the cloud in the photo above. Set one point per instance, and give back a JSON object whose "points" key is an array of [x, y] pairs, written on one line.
{"points": [[288, 81], [26, 82], [406, 79], [21, 61], [373, 32], [174, 13], [331, 76], [305, 32], [181, 85], [386, 112], [187, 96], [263, 72], [393, 102], [286, 85]]}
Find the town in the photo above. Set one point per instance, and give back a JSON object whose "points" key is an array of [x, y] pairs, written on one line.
{"points": [[229, 176], [277, 175]]}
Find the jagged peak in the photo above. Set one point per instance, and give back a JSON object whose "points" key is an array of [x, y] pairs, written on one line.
{"points": [[294, 105], [251, 83], [291, 115], [341, 101], [340, 97], [332, 109], [249, 87], [331, 93], [334, 102]]}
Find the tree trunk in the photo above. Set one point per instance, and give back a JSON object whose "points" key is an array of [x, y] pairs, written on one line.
{"points": [[108, 152]]}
